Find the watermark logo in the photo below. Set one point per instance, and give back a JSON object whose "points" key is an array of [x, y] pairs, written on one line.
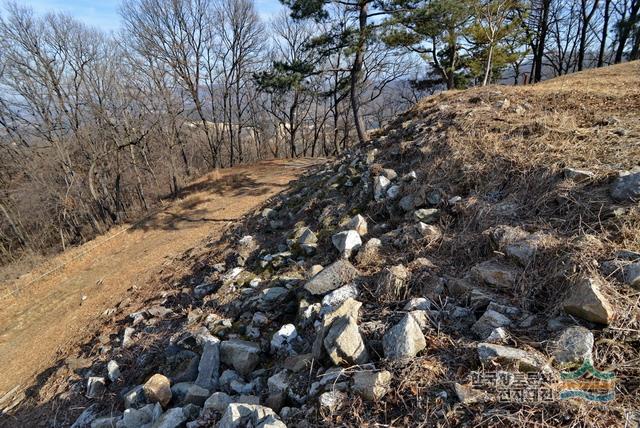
{"points": [[600, 387], [585, 383]]}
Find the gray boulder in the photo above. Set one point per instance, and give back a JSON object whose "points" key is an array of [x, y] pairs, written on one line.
{"points": [[371, 386], [333, 276], [344, 344], [626, 187], [522, 360], [488, 322], [172, 418], [573, 347], [631, 275], [209, 365], [495, 273], [218, 401], [346, 242], [380, 186], [404, 340], [426, 215], [243, 415], [242, 355]]}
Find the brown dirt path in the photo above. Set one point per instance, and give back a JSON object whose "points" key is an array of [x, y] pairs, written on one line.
{"points": [[40, 317]]}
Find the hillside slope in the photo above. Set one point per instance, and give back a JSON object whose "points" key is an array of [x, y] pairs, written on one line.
{"points": [[494, 229]]}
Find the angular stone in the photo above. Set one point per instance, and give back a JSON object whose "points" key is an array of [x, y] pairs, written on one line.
{"points": [[196, 395], [218, 402], [390, 173], [279, 382], [426, 215], [113, 371], [496, 274], [467, 395], [172, 418], [393, 192], [134, 418], [489, 321], [428, 231], [407, 203], [106, 422], [347, 241], [573, 347], [283, 338], [158, 389], [344, 344], [339, 295], [96, 386], [587, 302], [380, 186], [631, 275], [307, 236], [497, 335], [243, 415], [417, 303], [626, 187], [209, 366], [371, 386], [522, 360], [127, 339], [242, 355], [404, 340], [331, 401], [359, 224], [333, 276], [369, 251], [134, 398], [392, 283]]}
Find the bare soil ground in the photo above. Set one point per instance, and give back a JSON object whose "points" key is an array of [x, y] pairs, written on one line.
{"points": [[49, 310]]}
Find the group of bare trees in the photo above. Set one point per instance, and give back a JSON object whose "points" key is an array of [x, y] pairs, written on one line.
{"points": [[96, 128]]}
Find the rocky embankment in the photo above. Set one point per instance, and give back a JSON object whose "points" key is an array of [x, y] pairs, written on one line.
{"points": [[375, 288]]}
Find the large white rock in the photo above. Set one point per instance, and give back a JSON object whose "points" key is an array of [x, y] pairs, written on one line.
{"points": [[347, 241]]}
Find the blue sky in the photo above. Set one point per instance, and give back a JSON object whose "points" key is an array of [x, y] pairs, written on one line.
{"points": [[104, 13]]}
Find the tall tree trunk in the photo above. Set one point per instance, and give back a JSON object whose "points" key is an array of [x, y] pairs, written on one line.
{"points": [[625, 26], [605, 31], [586, 19], [544, 28], [356, 72]]}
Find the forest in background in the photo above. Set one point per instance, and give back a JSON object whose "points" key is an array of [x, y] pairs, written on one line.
{"points": [[97, 128]]}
